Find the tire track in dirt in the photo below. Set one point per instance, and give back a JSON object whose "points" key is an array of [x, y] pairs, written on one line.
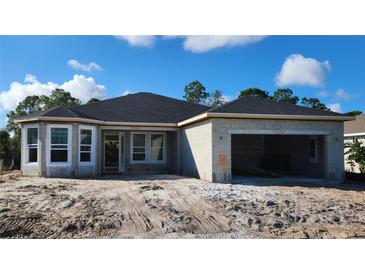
{"points": [[181, 212], [25, 227], [175, 207], [200, 211]]}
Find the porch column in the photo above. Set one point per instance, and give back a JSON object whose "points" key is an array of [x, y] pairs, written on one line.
{"points": [[333, 157], [178, 152], [75, 149], [42, 148], [98, 150]]}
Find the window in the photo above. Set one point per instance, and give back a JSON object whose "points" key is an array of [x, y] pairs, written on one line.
{"points": [[157, 147], [32, 145], [85, 145], [313, 150], [139, 147], [148, 147], [59, 144]]}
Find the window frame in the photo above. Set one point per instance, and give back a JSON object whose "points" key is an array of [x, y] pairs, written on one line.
{"points": [[145, 147], [148, 148], [69, 145], [313, 160], [92, 146], [26, 147], [163, 147]]}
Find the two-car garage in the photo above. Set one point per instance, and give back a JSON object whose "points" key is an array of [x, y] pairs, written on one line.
{"points": [[275, 155]]}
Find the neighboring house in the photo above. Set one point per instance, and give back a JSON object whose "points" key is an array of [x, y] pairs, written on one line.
{"points": [[149, 133], [354, 129]]}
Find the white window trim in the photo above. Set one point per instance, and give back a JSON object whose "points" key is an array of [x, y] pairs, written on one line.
{"points": [[148, 148], [25, 145], [145, 145], [314, 160], [69, 145], [92, 156]]}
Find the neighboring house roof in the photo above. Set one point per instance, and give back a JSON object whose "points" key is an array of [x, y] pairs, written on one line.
{"points": [[144, 107], [356, 126]]}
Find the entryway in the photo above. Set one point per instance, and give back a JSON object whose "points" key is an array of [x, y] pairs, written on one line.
{"points": [[114, 152]]}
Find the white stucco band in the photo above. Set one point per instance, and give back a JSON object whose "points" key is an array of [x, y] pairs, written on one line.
{"points": [[222, 129]]}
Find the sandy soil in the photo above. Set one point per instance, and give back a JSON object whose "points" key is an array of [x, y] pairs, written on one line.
{"points": [[166, 206]]}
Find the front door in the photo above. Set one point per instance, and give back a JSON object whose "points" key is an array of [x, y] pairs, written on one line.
{"points": [[111, 153], [114, 152]]}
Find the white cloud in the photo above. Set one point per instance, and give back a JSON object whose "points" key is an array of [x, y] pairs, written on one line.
{"points": [[80, 87], [323, 93], [204, 43], [85, 67], [336, 107], [146, 41], [84, 88], [299, 70], [341, 94], [227, 98], [194, 43], [29, 78], [127, 92]]}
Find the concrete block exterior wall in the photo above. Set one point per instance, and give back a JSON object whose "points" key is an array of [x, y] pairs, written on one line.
{"points": [[169, 166], [75, 168], [196, 150], [223, 128], [43, 168], [201, 150]]}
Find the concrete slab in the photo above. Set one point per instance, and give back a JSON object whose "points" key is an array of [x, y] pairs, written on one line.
{"points": [[285, 181]]}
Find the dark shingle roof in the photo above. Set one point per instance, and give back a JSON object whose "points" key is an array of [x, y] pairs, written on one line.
{"points": [[52, 112], [259, 105], [146, 107], [141, 107]]}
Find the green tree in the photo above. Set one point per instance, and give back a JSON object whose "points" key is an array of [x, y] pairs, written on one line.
{"points": [[93, 100], [254, 92], [313, 103], [356, 152], [195, 93], [285, 95], [58, 98], [29, 105], [353, 113], [216, 99], [32, 104], [4, 146]]}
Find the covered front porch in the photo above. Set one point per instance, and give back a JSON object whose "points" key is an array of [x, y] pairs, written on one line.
{"points": [[131, 151]]}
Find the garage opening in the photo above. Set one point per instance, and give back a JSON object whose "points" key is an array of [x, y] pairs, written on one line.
{"points": [[277, 155]]}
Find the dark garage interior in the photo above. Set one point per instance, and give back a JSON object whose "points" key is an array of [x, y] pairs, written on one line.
{"points": [[277, 155]]}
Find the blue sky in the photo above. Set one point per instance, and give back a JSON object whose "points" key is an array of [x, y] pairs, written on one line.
{"points": [[329, 67]]}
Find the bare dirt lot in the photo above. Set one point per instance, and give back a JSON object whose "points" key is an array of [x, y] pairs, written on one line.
{"points": [[166, 206]]}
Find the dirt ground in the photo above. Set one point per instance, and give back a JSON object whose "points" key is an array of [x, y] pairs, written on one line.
{"points": [[167, 206]]}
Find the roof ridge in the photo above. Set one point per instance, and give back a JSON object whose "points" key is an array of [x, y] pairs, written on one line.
{"points": [[304, 107], [227, 103], [144, 92], [47, 110], [82, 112], [171, 98], [105, 100], [271, 101], [68, 109]]}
